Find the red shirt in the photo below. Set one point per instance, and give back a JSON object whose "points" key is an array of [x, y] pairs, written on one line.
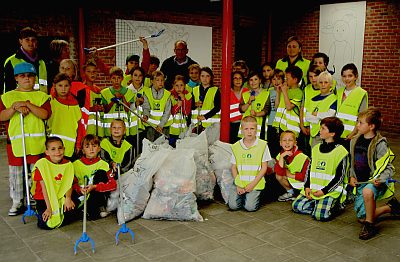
{"points": [[299, 176]]}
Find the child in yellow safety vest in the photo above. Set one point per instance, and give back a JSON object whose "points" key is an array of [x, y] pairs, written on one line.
{"points": [[35, 107], [351, 100], [53, 176], [181, 100], [324, 188], [255, 102], [112, 108], [115, 149], [320, 106], [371, 167], [157, 107], [291, 166], [206, 101], [249, 166], [65, 121], [288, 98], [100, 178]]}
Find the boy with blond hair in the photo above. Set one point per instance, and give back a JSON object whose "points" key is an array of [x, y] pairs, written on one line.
{"points": [[249, 166]]}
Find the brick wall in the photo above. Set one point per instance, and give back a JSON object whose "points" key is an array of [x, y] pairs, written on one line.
{"points": [[381, 63]]}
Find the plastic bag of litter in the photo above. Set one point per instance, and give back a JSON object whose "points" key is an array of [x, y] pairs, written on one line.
{"points": [[172, 197], [205, 177]]}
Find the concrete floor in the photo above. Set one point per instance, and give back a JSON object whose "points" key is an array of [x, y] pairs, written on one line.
{"points": [[274, 233]]}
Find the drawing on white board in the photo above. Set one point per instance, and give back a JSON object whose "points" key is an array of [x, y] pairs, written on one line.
{"points": [[342, 34], [199, 40]]}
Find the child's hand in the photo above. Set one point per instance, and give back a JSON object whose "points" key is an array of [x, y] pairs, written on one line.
{"points": [[199, 104], [159, 129], [90, 188], [68, 204], [284, 87], [179, 103], [145, 118], [119, 95], [250, 186], [353, 181], [286, 153], [253, 113], [201, 118], [139, 101], [114, 166], [240, 190], [318, 193], [305, 130], [377, 182], [47, 214], [307, 191]]}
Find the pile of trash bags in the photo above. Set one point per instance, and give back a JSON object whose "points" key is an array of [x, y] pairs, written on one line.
{"points": [[166, 182]]}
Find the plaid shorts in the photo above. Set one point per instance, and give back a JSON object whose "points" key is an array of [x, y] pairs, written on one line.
{"points": [[319, 209], [16, 179]]}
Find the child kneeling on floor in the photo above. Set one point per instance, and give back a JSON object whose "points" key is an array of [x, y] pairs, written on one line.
{"points": [[249, 165], [52, 187], [291, 166], [371, 166], [100, 178], [323, 190]]}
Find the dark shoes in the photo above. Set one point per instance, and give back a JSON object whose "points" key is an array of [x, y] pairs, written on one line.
{"points": [[368, 231], [394, 206]]}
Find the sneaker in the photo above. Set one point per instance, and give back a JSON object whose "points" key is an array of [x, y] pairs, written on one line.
{"points": [[394, 206], [286, 197], [16, 209], [368, 231], [104, 214]]}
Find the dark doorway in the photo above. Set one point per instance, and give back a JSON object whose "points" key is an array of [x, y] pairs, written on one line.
{"points": [[248, 46]]}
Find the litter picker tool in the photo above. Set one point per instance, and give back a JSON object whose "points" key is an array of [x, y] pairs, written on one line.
{"points": [[29, 211], [139, 95], [389, 180], [117, 100], [124, 43], [84, 237], [124, 229]]}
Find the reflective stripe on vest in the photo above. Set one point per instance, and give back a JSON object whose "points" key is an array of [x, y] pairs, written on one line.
{"points": [[380, 166], [34, 128], [294, 167], [116, 111], [309, 94], [63, 123], [347, 110], [157, 107], [257, 105], [208, 104], [321, 106], [248, 163], [323, 170]]}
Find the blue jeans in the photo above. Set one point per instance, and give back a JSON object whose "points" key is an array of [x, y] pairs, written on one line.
{"points": [[249, 201]]}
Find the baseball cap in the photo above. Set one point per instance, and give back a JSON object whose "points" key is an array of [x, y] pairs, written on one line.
{"points": [[24, 68], [132, 58]]}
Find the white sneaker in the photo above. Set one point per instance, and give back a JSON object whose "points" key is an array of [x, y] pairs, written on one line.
{"points": [[286, 197], [15, 209]]}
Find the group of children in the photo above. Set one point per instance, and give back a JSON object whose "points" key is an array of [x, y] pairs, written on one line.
{"points": [[344, 154], [342, 148]]}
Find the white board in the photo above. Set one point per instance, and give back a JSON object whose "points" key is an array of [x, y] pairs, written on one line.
{"points": [[341, 35], [198, 38]]}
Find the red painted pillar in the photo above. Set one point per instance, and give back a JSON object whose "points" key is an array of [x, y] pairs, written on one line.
{"points": [[81, 39], [227, 25]]}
